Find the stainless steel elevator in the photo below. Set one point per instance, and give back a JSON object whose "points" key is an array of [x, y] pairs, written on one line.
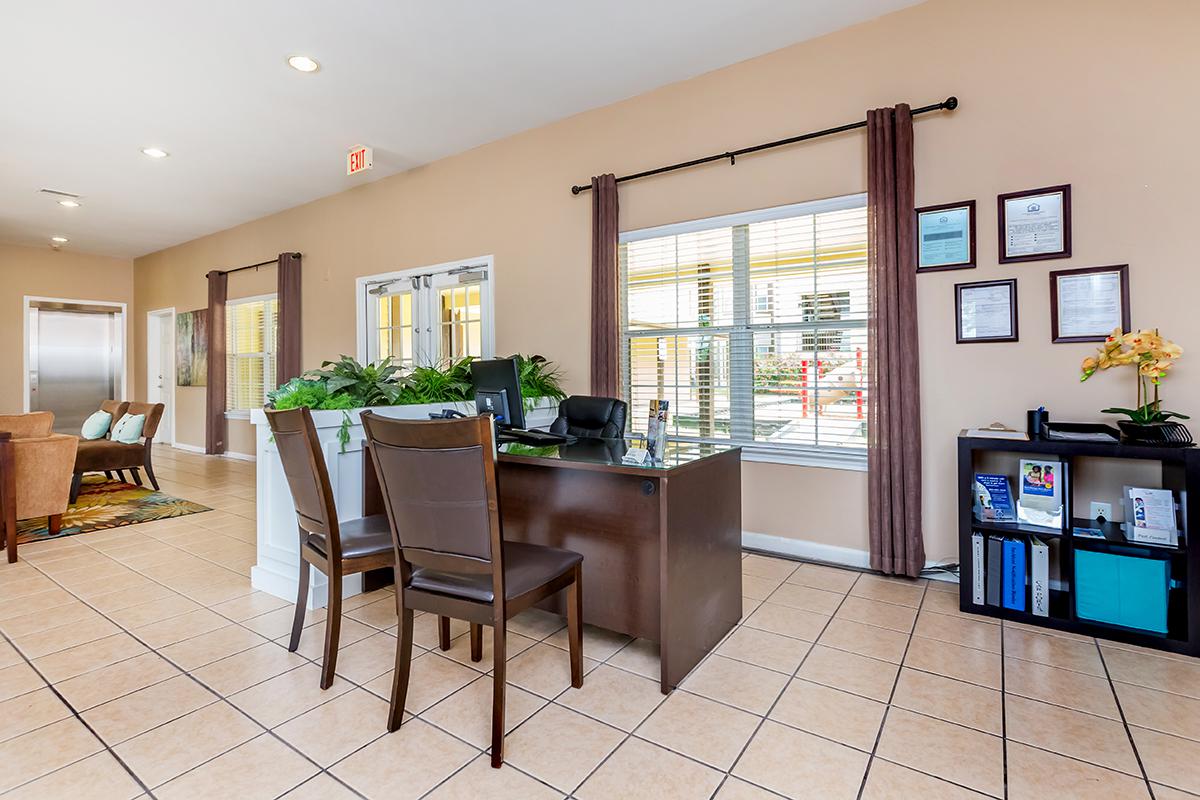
{"points": [[76, 359]]}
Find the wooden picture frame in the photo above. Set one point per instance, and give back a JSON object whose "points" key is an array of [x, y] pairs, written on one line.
{"points": [[1003, 227], [1013, 333], [971, 262], [1056, 323]]}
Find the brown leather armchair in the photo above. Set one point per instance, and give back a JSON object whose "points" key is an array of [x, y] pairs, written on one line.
{"points": [[107, 455], [35, 473]]}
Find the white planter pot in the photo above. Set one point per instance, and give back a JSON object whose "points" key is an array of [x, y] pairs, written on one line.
{"points": [[277, 570]]}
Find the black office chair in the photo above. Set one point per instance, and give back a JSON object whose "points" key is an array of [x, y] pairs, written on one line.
{"points": [[591, 417]]}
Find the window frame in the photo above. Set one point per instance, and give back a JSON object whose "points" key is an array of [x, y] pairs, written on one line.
{"points": [[272, 341], [826, 456], [367, 307]]}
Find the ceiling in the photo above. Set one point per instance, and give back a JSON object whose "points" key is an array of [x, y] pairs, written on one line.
{"points": [[86, 85]]}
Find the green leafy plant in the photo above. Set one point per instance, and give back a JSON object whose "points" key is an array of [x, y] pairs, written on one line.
{"points": [[300, 392], [539, 378], [374, 384], [448, 383]]}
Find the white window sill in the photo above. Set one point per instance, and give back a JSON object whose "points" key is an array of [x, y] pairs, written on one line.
{"points": [[239, 414], [853, 461]]}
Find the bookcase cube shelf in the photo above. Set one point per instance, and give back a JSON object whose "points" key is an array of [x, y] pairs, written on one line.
{"points": [[1177, 469]]}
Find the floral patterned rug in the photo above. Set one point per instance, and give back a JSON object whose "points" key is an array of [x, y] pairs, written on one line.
{"points": [[105, 504]]}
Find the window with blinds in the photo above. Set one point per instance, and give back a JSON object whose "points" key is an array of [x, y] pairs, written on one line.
{"points": [[753, 326], [249, 352]]}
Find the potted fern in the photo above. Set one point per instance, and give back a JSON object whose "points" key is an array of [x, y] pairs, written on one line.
{"points": [[1152, 358]]}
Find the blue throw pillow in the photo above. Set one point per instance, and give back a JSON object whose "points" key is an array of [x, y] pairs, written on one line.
{"points": [[128, 429], [95, 426]]}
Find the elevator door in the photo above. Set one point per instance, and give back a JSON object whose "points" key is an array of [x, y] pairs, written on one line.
{"points": [[75, 361]]}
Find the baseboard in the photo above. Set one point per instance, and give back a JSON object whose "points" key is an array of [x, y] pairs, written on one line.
{"points": [[191, 448], [824, 553]]}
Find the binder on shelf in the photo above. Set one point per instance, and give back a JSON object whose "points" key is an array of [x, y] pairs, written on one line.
{"points": [[1039, 577], [1013, 586], [995, 570], [977, 569]]}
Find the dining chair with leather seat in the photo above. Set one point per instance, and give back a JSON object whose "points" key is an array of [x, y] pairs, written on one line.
{"points": [[586, 417], [336, 548], [438, 482]]}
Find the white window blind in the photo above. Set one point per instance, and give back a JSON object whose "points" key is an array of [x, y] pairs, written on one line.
{"points": [[753, 326], [249, 352]]}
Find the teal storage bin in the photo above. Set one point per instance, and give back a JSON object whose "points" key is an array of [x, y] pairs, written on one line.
{"points": [[1122, 590]]}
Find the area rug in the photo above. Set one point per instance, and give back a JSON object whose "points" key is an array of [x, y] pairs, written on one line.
{"points": [[104, 504]]}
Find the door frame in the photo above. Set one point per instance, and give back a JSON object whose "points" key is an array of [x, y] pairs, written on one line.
{"points": [[364, 311], [154, 320], [27, 305]]}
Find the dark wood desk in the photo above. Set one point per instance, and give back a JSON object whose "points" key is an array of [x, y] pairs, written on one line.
{"points": [[661, 544]]}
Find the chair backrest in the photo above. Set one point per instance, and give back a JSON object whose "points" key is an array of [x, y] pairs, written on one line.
{"points": [[34, 425], [438, 481], [307, 476], [591, 417], [153, 412], [115, 407]]}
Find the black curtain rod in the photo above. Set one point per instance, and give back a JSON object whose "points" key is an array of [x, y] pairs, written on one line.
{"points": [[254, 266], [949, 104]]}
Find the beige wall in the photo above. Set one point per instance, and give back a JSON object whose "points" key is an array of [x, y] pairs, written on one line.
{"points": [[42, 272], [1075, 91]]}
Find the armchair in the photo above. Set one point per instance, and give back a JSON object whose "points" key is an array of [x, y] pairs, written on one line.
{"points": [[35, 473]]}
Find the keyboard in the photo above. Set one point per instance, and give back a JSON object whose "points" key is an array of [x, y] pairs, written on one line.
{"points": [[535, 438]]}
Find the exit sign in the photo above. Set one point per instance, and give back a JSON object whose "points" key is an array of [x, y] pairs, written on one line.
{"points": [[358, 160]]}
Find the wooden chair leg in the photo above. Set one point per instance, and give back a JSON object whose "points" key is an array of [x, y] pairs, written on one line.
{"points": [[121, 476], [301, 605], [54, 524], [150, 470], [333, 626], [137, 476], [403, 664], [575, 627], [476, 642], [108, 474], [76, 480], [9, 513], [444, 633], [499, 663]]}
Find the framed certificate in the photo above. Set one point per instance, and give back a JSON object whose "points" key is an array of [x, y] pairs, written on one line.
{"points": [[1086, 304], [946, 237], [1035, 225], [986, 311]]}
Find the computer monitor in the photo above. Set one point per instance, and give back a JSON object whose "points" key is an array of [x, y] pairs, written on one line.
{"points": [[498, 391]]}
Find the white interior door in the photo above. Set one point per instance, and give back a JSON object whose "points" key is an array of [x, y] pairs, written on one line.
{"points": [[160, 369]]}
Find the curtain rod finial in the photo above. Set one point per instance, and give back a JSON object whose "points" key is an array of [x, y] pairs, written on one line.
{"points": [[576, 189], [951, 103]]}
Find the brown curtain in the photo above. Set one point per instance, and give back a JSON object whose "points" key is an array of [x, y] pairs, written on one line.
{"points": [[287, 347], [893, 397], [214, 407], [606, 336]]}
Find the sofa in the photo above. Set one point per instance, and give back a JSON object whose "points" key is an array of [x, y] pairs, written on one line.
{"points": [[35, 473], [108, 456]]}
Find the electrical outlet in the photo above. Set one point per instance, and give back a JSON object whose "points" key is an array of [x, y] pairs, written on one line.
{"points": [[1101, 510]]}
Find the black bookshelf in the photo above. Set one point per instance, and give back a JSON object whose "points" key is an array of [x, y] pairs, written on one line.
{"points": [[1180, 471]]}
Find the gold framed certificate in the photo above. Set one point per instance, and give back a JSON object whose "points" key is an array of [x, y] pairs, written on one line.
{"points": [[1035, 224]]}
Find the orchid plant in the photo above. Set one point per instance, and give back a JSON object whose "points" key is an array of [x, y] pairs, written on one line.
{"points": [[1151, 356]]}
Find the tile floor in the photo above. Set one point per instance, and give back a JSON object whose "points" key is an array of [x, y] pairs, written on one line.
{"points": [[138, 662]]}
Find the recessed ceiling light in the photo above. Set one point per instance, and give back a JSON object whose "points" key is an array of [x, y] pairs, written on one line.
{"points": [[68, 203], [303, 63], [59, 239], [155, 152]]}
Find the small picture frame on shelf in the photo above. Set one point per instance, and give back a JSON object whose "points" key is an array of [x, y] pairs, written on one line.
{"points": [[1034, 224], [946, 237], [985, 311], [1087, 304]]}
